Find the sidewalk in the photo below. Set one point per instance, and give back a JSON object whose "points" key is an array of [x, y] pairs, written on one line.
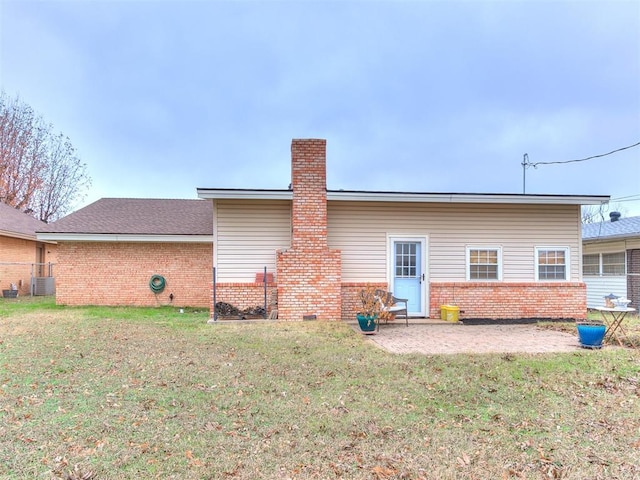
{"points": [[434, 337]]}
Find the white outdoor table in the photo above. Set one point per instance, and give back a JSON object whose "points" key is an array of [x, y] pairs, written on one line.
{"points": [[613, 319]]}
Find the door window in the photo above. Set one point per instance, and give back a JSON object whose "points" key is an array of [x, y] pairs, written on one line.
{"points": [[406, 260]]}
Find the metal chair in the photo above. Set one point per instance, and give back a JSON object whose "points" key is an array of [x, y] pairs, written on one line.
{"points": [[392, 305]]}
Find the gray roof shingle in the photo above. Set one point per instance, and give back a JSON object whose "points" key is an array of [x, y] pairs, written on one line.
{"points": [[15, 222], [141, 216], [625, 227]]}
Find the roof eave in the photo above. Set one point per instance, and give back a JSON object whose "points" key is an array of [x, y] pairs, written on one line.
{"points": [[609, 238], [115, 237], [372, 196], [21, 236], [244, 194], [467, 198]]}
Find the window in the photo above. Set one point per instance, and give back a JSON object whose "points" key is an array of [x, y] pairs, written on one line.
{"points": [[552, 263], [591, 264], [406, 260], [613, 264], [604, 264], [484, 263]]}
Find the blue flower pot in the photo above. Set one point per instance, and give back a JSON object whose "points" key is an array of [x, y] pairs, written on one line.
{"points": [[591, 334]]}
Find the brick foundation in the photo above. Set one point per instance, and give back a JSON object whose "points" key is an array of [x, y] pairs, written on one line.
{"points": [[511, 300]]}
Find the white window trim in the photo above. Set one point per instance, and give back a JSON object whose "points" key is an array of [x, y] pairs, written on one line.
{"points": [[468, 262], [567, 271]]}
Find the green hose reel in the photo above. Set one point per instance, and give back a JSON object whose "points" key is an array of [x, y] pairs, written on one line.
{"points": [[157, 283]]}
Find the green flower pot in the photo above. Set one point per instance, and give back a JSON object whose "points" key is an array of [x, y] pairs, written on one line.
{"points": [[367, 323]]}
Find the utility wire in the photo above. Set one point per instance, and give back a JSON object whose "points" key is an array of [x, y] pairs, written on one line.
{"points": [[628, 197], [580, 159]]}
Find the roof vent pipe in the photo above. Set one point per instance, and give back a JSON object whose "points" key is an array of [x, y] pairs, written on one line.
{"points": [[614, 216]]}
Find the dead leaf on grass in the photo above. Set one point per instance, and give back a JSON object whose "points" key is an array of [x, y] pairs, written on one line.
{"points": [[464, 460], [383, 472], [78, 473]]}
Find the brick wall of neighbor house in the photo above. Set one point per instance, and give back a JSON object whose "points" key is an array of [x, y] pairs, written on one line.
{"points": [[309, 273], [633, 277], [17, 257], [16, 251], [115, 273], [511, 300]]}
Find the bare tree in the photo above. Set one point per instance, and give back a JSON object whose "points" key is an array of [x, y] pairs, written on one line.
{"points": [[599, 213], [40, 172]]}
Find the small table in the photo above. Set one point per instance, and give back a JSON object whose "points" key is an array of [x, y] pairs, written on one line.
{"points": [[613, 319]]}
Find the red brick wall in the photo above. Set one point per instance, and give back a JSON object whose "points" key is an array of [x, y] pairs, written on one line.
{"points": [[22, 254], [309, 284], [309, 274], [511, 300], [245, 295], [118, 273], [351, 298]]}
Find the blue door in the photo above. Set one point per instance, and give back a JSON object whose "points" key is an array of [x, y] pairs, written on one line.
{"points": [[407, 274]]}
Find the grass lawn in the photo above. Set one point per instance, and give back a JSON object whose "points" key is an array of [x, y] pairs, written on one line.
{"points": [[135, 393]]}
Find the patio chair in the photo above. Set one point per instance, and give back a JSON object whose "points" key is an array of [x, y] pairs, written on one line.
{"points": [[392, 305]]}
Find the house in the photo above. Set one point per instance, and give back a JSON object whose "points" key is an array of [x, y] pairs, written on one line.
{"points": [[611, 259], [109, 251], [493, 255], [23, 258]]}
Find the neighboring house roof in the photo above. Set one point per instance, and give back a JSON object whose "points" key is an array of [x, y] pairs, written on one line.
{"points": [[135, 219], [424, 197], [14, 223], [622, 228]]}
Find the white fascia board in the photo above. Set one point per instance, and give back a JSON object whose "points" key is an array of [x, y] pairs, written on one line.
{"points": [[468, 198], [242, 194], [417, 197], [105, 237]]}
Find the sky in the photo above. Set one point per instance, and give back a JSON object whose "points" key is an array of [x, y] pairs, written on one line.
{"points": [[162, 97]]}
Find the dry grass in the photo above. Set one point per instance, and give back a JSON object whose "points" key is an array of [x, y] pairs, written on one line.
{"points": [[149, 393]]}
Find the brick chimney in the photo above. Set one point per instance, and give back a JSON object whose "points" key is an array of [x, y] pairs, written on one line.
{"points": [[309, 273]]}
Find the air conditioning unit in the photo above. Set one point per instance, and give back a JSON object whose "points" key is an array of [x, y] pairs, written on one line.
{"points": [[43, 286]]}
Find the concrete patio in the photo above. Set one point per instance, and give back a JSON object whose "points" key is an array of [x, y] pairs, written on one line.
{"points": [[434, 337]]}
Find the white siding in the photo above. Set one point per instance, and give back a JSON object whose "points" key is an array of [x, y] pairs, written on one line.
{"points": [[599, 287], [360, 230], [247, 234], [604, 247]]}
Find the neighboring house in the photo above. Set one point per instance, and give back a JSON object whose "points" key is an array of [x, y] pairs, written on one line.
{"points": [[493, 255], [109, 251], [22, 257], [611, 259]]}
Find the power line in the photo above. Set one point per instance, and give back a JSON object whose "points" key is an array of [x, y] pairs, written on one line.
{"points": [[628, 198], [525, 162], [584, 159]]}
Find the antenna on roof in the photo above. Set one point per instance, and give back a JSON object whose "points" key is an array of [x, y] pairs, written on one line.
{"points": [[525, 164]]}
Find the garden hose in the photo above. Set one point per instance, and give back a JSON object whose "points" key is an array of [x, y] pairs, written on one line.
{"points": [[157, 283]]}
